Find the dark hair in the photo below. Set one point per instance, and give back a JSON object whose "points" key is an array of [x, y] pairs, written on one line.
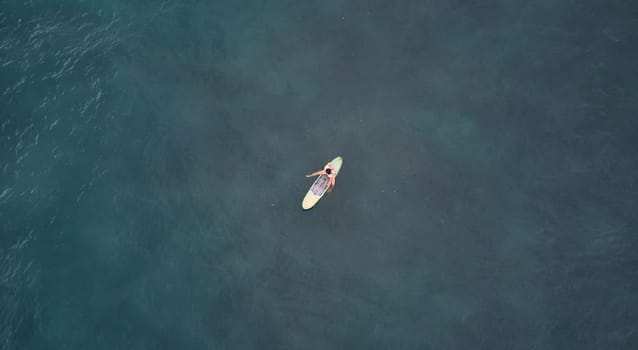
{"points": [[328, 171]]}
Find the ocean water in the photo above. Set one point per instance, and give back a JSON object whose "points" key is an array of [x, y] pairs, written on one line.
{"points": [[153, 153]]}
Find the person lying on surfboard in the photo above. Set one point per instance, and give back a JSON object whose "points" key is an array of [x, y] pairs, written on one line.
{"points": [[327, 170]]}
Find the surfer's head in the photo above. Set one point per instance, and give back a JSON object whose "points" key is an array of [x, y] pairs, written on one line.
{"points": [[328, 171]]}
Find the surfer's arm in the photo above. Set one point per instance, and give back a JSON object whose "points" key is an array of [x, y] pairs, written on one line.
{"points": [[318, 172], [331, 183]]}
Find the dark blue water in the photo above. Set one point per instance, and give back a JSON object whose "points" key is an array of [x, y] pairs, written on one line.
{"points": [[152, 159]]}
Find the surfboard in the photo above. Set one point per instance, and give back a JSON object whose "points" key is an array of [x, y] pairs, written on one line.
{"points": [[320, 186]]}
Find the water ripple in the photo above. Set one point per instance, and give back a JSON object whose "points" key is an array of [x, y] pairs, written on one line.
{"points": [[18, 276]]}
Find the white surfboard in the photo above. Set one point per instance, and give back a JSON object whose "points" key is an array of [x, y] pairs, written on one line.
{"points": [[320, 186]]}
